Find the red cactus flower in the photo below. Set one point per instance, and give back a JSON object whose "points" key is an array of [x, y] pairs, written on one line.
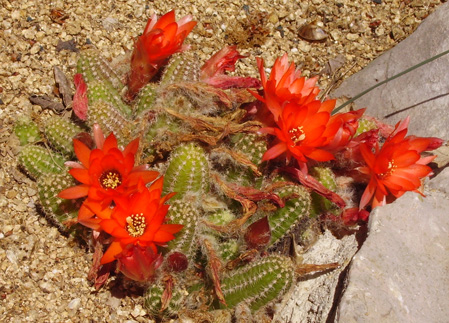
{"points": [[302, 132], [397, 167], [106, 171], [161, 38], [285, 84], [138, 263], [213, 71], [137, 219]]}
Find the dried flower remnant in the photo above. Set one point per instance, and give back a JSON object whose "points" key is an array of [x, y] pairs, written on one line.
{"points": [[213, 71], [396, 167], [161, 38], [80, 101]]}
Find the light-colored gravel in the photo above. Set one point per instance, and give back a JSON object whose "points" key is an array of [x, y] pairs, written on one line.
{"points": [[42, 273]]}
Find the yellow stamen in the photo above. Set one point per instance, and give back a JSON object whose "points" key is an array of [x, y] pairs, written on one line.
{"points": [[136, 225], [296, 135], [391, 168], [110, 179]]}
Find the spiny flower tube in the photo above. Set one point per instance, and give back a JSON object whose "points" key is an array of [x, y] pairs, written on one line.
{"points": [[138, 263], [285, 84], [161, 38], [302, 131], [105, 172], [396, 167], [138, 219]]}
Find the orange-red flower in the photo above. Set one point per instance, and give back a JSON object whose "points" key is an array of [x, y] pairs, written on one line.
{"points": [[302, 132], [397, 167], [285, 84], [349, 122], [106, 171], [161, 38], [138, 219]]}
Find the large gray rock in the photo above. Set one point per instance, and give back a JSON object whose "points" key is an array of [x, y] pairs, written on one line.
{"points": [[423, 93], [401, 273]]}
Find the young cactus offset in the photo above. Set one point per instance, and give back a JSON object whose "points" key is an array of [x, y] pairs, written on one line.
{"points": [[258, 283]]}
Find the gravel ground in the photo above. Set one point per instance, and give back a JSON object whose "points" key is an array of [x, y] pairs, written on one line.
{"points": [[42, 273]]}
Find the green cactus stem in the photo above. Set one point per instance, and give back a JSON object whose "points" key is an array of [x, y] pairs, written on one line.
{"points": [[187, 172], [146, 99], [186, 214], [38, 161], [27, 131], [364, 126], [111, 120], [180, 69], [94, 67], [56, 209], [99, 91], [153, 300], [258, 283], [60, 133], [325, 176]]}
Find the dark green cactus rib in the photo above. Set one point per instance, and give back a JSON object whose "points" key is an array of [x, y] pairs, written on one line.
{"points": [[56, 209], [38, 161], [153, 303], [27, 131], [60, 133], [258, 283], [187, 172], [184, 213], [180, 69], [296, 209]]}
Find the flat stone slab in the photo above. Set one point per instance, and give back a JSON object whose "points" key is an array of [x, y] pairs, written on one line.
{"points": [[422, 94], [401, 273]]}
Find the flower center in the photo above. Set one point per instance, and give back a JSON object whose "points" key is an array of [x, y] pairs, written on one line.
{"points": [[136, 225], [110, 179], [391, 168], [296, 135]]}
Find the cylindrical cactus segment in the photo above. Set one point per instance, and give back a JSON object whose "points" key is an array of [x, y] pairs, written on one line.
{"points": [[57, 209], [259, 282], [325, 176], [94, 68], [147, 98], [186, 214], [60, 133], [153, 300], [27, 131], [283, 220], [38, 161], [180, 69], [187, 172], [100, 91], [251, 145], [111, 120]]}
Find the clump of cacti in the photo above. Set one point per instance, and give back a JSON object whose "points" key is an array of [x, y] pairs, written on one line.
{"points": [[228, 174]]}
